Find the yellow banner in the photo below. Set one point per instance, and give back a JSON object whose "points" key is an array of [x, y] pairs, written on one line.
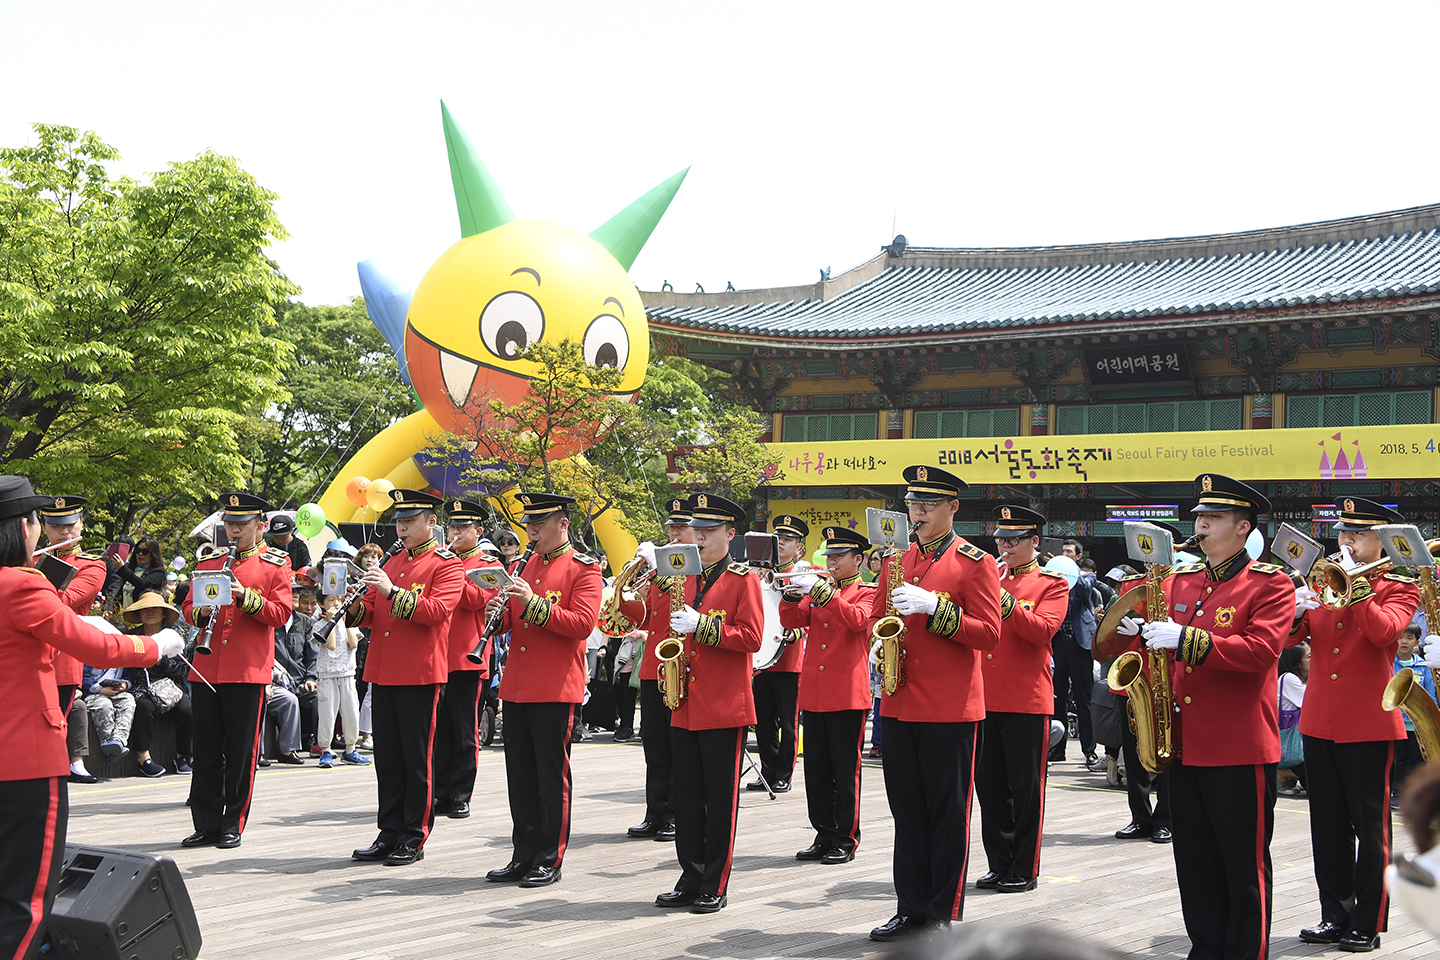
{"points": [[1335, 453], [819, 514]]}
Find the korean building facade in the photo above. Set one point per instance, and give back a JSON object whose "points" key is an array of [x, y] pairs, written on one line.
{"points": [[1095, 382]]}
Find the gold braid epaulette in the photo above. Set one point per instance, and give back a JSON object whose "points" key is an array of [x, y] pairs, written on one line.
{"points": [[1195, 646], [1360, 589], [822, 592], [945, 621], [403, 604]]}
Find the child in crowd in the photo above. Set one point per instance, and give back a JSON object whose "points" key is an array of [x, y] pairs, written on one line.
{"points": [[1407, 751], [336, 670]]}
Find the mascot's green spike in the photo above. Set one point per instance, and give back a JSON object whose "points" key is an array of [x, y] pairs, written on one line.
{"points": [[481, 205], [625, 233]]}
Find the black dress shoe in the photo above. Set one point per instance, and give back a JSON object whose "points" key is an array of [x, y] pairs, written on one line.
{"points": [[836, 855], [781, 786], [988, 881], [676, 898], [646, 829], [441, 807], [511, 872], [292, 758], [200, 838], [459, 810], [755, 785], [541, 877], [404, 854], [1014, 883], [228, 841], [1162, 835], [896, 928], [374, 853], [708, 903], [1133, 832], [1359, 941], [816, 851], [932, 925], [666, 834], [263, 762], [1323, 932], [86, 778]]}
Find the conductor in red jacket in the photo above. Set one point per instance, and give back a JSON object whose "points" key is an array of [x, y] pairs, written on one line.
{"points": [[34, 623], [949, 598], [550, 609], [834, 690], [408, 607], [227, 718]]}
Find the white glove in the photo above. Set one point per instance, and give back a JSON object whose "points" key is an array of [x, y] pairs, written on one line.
{"points": [[1432, 651], [875, 653], [170, 642], [1162, 635], [1347, 561], [1305, 599], [646, 552], [910, 599], [686, 620], [803, 582], [1129, 626]]}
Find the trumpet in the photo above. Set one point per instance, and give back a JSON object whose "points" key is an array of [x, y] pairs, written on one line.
{"points": [[1335, 585]]}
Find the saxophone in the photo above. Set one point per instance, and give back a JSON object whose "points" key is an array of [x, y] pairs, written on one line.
{"points": [[889, 633], [671, 652]]}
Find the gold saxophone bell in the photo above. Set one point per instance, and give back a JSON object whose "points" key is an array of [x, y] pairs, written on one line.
{"points": [[671, 654], [1402, 692]]}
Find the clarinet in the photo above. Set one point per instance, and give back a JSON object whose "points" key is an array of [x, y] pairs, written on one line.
{"points": [[203, 646], [493, 624], [322, 630]]}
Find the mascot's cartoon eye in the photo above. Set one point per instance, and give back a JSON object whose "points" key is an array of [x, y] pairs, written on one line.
{"points": [[606, 342], [510, 323]]}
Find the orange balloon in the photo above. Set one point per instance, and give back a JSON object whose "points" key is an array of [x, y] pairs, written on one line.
{"points": [[356, 490]]}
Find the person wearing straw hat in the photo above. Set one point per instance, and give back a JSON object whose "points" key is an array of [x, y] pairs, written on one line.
{"points": [[34, 802], [158, 689]]}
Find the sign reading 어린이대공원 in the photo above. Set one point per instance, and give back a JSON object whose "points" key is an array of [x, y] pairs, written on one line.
{"points": [[1137, 364]]}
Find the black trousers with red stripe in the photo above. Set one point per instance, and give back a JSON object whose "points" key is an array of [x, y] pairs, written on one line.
{"points": [[227, 745], [1010, 785], [655, 739], [1138, 783], [707, 803], [833, 741], [537, 772], [777, 717], [929, 772], [1223, 818], [457, 737], [1349, 787], [32, 844], [403, 716]]}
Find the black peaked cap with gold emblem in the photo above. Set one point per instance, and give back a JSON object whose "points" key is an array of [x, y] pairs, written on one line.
{"points": [[237, 506], [1218, 493], [466, 511], [791, 526], [679, 512], [931, 483], [1358, 515], [412, 503], [1013, 521], [843, 540], [711, 510], [63, 510], [540, 506]]}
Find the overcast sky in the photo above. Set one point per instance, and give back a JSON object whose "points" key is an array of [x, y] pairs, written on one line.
{"points": [[810, 128]]}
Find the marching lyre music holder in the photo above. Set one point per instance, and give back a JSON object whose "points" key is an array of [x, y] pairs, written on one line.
{"points": [[1150, 544], [1296, 550], [887, 528], [679, 560], [1405, 546], [762, 550]]}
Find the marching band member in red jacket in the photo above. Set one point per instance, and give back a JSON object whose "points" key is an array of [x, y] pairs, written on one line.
{"points": [[777, 687], [1019, 699], [950, 602], [1349, 738], [834, 690], [720, 624], [227, 718], [550, 610], [34, 623], [457, 730], [408, 607], [659, 821]]}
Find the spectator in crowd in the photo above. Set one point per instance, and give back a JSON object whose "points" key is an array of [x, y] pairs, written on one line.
{"points": [[143, 571], [282, 707], [1105, 592], [282, 537], [1294, 672], [1074, 667], [335, 670], [368, 556], [509, 543], [873, 566], [172, 583], [111, 707], [627, 658], [77, 741], [159, 689], [296, 654], [1407, 751]]}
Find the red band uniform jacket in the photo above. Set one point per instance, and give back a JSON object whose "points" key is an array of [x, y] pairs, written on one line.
{"points": [[546, 663], [1352, 658], [243, 643], [34, 623], [836, 672], [1236, 617], [85, 586], [943, 651], [720, 654], [409, 632], [468, 622], [1033, 604]]}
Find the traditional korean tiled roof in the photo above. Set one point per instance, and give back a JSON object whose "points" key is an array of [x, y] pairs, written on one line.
{"points": [[1331, 267]]}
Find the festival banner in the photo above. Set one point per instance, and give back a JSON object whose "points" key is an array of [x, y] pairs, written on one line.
{"points": [[1318, 453], [819, 514]]}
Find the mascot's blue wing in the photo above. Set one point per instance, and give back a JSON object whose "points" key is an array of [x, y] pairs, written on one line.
{"points": [[388, 303]]}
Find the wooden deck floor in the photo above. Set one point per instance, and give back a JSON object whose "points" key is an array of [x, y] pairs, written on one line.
{"points": [[291, 891]]}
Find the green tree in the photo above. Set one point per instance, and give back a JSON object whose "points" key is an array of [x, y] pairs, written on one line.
{"points": [[735, 460], [135, 319]]}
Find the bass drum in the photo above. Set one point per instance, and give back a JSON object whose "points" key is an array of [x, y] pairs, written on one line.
{"points": [[771, 647]]}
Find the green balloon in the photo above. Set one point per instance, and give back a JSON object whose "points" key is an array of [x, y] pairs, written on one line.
{"points": [[309, 520]]}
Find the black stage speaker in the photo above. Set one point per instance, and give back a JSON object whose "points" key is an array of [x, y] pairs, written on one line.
{"points": [[117, 905]]}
